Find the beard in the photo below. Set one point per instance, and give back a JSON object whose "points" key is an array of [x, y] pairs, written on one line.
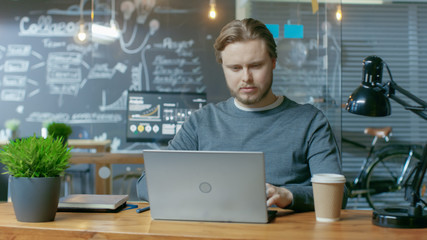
{"points": [[251, 99]]}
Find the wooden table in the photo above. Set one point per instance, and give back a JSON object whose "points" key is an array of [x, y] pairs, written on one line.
{"points": [[98, 145], [355, 224], [103, 185]]}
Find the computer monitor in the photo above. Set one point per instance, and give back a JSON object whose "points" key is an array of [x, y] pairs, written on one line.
{"points": [[158, 116]]}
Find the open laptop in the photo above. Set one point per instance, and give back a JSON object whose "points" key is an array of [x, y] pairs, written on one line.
{"points": [[206, 186]]}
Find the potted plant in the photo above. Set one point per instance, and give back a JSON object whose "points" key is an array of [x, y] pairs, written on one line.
{"points": [[35, 166], [59, 130], [12, 126]]}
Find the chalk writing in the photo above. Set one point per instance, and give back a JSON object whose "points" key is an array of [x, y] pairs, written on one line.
{"points": [[99, 71], [168, 43], [12, 95], [119, 104], [74, 118], [14, 80], [48, 43], [63, 73], [16, 65], [15, 50], [45, 27], [136, 73], [175, 66]]}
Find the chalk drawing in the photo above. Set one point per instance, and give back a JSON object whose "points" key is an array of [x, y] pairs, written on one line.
{"points": [[38, 65], [119, 104], [95, 118], [75, 118], [61, 89], [37, 55], [48, 43], [33, 93], [14, 81], [18, 50], [32, 82], [101, 71], [20, 109], [16, 65], [120, 67], [12, 95], [45, 27], [63, 73], [136, 73], [176, 68]]}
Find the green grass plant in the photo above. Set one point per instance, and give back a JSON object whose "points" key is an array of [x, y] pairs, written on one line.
{"points": [[58, 130], [35, 157]]}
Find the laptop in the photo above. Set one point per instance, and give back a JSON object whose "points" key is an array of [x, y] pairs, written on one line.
{"points": [[220, 186]]}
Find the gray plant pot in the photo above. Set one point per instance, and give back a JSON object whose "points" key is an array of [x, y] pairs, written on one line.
{"points": [[35, 199]]}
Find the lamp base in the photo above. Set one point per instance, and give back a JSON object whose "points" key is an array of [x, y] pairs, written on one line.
{"points": [[399, 217]]}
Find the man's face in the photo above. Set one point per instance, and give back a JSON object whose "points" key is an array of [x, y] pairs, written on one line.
{"points": [[248, 71]]}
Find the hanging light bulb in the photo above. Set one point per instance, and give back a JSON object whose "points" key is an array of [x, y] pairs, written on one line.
{"points": [[338, 14], [81, 36], [212, 11]]}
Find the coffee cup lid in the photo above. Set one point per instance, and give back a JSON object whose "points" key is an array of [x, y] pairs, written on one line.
{"points": [[328, 178]]}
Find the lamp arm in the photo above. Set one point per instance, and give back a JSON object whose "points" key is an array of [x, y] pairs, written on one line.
{"points": [[409, 95], [391, 87]]}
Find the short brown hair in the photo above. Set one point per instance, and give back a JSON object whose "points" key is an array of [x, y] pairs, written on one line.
{"points": [[244, 30]]}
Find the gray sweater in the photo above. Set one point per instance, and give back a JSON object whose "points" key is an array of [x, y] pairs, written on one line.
{"points": [[297, 142]]}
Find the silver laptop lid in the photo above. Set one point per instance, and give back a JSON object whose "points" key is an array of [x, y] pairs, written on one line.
{"points": [[206, 185]]}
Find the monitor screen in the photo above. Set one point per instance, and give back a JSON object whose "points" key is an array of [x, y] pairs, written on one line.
{"points": [[158, 116]]}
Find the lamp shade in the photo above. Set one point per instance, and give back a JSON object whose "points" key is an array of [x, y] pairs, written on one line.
{"points": [[368, 101]]}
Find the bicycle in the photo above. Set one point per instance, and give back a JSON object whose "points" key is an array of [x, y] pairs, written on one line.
{"points": [[386, 174]]}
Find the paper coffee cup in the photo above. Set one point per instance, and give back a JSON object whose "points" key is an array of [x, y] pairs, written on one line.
{"points": [[328, 192]]}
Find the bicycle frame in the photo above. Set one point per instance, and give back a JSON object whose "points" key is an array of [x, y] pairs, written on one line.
{"points": [[368, 160], [400, 181], [405, 168]]}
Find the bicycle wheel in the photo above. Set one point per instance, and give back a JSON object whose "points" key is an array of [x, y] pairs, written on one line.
{"points": [[383, 189]]}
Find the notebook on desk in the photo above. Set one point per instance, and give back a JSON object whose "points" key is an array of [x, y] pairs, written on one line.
{"points": [[206, 186], [92, 203]]}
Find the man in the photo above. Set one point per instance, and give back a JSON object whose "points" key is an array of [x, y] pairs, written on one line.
{"points": [[297, 140]]}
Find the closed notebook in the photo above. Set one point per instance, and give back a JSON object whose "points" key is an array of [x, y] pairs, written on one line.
{"points": [[92, 202]]}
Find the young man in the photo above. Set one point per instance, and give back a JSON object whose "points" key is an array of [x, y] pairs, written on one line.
{"points": [[297, 140]]}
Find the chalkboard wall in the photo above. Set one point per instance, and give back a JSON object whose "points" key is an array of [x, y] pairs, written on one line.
{"points": [[45, 75]]}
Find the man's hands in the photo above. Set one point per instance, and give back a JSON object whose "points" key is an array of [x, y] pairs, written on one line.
{"points": [[279, 196]]}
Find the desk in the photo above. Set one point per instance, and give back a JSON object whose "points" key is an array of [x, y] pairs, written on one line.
{"points": [[355, 224], [103, 185], [98, 145]]}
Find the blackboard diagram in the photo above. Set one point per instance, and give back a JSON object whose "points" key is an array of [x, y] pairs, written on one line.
{"points": [[16, 67], [63, 72], [119, 104], [46, 75]]}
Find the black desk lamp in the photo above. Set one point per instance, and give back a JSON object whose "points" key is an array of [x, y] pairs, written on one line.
{"points": [[371, 99]]}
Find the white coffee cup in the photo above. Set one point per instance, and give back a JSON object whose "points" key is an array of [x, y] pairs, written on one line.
{"points": [[328, 190]]}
